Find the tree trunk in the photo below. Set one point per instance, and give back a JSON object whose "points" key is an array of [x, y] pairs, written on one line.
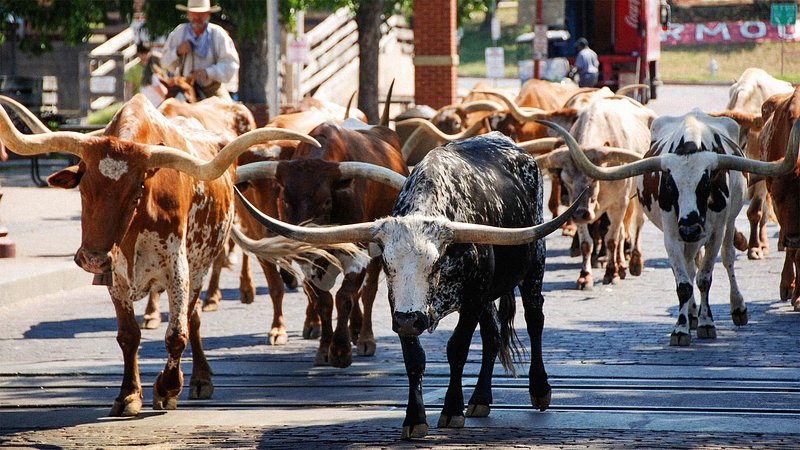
{"points": [[253, 69], [368, 19]]}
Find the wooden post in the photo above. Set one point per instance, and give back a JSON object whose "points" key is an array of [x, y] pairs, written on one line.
{"points": [[537, 21]]}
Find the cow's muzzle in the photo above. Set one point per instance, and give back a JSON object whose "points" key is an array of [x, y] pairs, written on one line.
{"points": [[410, 323], [583, 215], [690, 233], [93, 262]]}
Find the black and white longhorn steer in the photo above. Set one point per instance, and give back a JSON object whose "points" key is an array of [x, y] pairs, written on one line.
{"points": [[466, 229], [691, 186]]}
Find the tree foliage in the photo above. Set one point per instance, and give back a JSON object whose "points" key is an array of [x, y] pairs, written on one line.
{"points": [[70, 20]]}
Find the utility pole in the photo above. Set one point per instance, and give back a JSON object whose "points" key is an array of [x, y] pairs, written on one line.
{"points": [[273, 50], [537, 20]]}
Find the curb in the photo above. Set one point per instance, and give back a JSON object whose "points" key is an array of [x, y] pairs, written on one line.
{"points": [[33, 282]]}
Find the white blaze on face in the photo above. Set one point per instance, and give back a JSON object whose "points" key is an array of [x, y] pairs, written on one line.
{"points": [[112, 168], [411, 247]]}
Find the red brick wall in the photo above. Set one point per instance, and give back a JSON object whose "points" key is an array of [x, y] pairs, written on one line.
{"points": [[435, 35]]}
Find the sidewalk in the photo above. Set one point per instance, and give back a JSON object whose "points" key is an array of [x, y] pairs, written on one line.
{"points": [[44, 223]]}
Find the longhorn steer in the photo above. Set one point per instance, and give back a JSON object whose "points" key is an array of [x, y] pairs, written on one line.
{"points": [[776, 140], [611, 131], [464, 232], [148, 227], [691, 186]]}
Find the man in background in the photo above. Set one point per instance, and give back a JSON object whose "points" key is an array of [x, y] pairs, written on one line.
{"points": [[586, 64], [202, 51]]}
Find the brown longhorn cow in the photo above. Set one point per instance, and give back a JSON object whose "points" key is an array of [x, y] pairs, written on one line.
{"points": [[155, 214]]}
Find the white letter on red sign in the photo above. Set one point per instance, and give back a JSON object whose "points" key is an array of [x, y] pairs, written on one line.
{"points": [[719, 28], [760, 29]]}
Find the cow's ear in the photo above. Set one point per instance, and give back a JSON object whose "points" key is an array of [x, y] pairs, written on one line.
{"points": [[342, 184], [67, 178]]}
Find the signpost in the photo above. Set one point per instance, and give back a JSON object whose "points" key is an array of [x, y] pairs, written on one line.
{"points": [[495, 62], [782, 14]]}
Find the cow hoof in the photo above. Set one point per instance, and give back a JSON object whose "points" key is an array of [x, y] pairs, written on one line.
{"points": [[585, 284], [796, 307], [321, 359], [450, 422], [277, 337], [210, 306], [680, 339], [312, 332], [150, 322], [478, 410], [739, 241], [786, 293], [623, 272], [611, 279], [200, 389], [543, 402], [247, 297], [164, 403], [366, 347], [707, 332], [340, 361], [636, 266], [129, 407], [754, 253], [739, 317], [693, 323], [417, 431]]}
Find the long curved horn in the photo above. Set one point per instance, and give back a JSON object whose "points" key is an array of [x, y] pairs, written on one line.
{"points": [[349, 103], [35, 144], [484, 234], [26, 115], [769, 169], [171, 158], [632, 87], [352, 169], [385, 116], [539, 146], [603, 173], [614, 155], [256, 171], [480, 105], [579, 92], [426, 126], [529, 115], [556, 159], [359, 232]]}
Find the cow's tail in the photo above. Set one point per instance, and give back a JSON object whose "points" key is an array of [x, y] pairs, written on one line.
{"points": [[510, 345]]}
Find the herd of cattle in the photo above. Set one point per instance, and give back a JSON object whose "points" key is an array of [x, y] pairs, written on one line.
{"points": [[448, 204]]}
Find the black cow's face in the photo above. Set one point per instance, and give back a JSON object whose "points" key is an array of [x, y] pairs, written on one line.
{"points": [[308, 190], [412, 252]]}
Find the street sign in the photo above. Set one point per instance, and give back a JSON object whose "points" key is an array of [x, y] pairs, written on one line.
{"points": [[297, 50], [783, 14], [495, 62]]}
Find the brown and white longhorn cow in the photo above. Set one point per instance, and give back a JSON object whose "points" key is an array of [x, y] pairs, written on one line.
{"points": [[611, 131], [691, 186], [313, 188], [780, 112], [154, 216]]}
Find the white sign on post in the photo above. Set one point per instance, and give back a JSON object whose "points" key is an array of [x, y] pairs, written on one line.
{"points": [[103, 85], [297, 51], [495, 62], [540, 42]]}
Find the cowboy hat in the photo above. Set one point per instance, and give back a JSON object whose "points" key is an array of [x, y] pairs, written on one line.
{"points": [[199, 6]]}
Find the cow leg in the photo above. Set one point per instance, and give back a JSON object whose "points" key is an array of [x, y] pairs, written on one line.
{"points": [[247, 289], [738, 307], [200, 385], [533, 303], [681, 257], [787, 284], [277, 332], [585, 281], [340, 353], [213, 294], [755, 214], [615, 267], [323, 302], [796, 272], [480, 403], [762, 226], [415, 424], [152, 314], [705, 319], [312, 325], [356, 317], [457, 350], [129, 400], [169, 383], [637, 260], [366, 345]]}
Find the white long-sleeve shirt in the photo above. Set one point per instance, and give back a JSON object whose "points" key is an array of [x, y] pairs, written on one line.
{"points": [[221, 63]]}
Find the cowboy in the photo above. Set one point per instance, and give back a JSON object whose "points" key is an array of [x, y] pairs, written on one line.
{"points": [[202, 51]]}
